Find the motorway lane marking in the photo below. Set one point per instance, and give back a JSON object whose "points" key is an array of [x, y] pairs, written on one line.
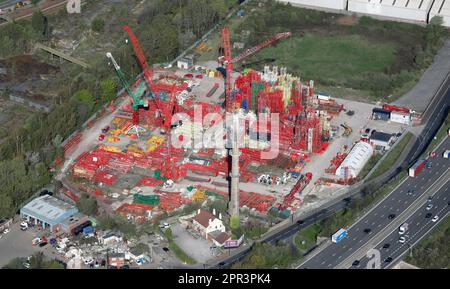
{"points": [[322, 263], [384, 207], [423, 195], [398, 209], [406, 202], [379, 225], [382, 216]]}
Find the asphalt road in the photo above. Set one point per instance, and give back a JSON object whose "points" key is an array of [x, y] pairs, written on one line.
{"points": [[9, 4], [378, 219], [419, 224]]}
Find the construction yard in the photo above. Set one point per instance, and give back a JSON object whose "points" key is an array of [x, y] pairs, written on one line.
{"points": [[149, 161]]}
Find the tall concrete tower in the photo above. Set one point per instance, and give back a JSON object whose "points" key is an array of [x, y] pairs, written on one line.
{"points": [[233, 207]]}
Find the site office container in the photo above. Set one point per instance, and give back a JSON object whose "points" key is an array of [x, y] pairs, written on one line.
{"points": [[381, 114], [400, 117], [416, 168]]}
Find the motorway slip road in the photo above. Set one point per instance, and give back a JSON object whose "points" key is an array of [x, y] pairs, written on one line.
{"points": [[377, 218]]}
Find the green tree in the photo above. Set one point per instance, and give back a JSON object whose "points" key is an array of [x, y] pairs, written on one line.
{"points": [[108, 90], [87, 205], [98, 25], [38, 22], [85, 96]]}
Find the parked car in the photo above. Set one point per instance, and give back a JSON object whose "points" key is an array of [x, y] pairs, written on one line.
{"points": [[23, 226], [101, 137], [105, 129], [6, 231], [43, 244]]}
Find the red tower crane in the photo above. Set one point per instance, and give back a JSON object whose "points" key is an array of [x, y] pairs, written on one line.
{"points": [[228, 61], [148, 76]]}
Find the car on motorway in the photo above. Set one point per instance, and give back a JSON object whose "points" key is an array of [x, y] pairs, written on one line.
{"points": [[430, 198], [428, 215], [386, 246], [356, 263], [429, 207], [388, 260], [410, 192], [367, 231], [402, 239], [391, 216], [435, 219]]}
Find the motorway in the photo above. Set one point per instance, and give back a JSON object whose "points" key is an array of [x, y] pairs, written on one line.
{"points": [[420, 224], [386, 212]]}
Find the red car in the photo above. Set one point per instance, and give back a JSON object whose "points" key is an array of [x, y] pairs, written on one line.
{"points": [[105, 129], [101, 137], [189, 75], [433, 154], [199, 76]]}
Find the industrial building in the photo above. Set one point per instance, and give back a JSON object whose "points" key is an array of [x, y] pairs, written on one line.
{"points": [[410, 10], [49, 212], [324, 4], [441, 8], [355, 160], [417, 11], [381, 141]]}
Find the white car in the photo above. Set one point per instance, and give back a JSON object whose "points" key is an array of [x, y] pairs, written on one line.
{"points": [[435, 219], [402, 240], [23, 226], [429, 207], [6, 231]]}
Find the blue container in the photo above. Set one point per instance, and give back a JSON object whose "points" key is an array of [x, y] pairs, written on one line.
{"points": [[88, 230], [244, 104]]}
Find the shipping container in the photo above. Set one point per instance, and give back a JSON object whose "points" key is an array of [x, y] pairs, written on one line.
{"points": [[399, 117], [416, 168]]}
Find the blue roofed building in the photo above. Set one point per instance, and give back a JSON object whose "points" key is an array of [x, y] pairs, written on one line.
{"points": [[48, 212]]}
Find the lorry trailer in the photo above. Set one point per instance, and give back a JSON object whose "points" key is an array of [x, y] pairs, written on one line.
{"points": [[339, 235], [416, 168]]}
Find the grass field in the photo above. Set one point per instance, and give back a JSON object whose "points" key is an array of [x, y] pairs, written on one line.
{"points": [[307, 237], [331, 58]]}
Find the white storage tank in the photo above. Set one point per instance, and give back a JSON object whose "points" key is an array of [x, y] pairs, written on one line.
{"points": [[327, 4], [400, 117], [355, 161]]}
